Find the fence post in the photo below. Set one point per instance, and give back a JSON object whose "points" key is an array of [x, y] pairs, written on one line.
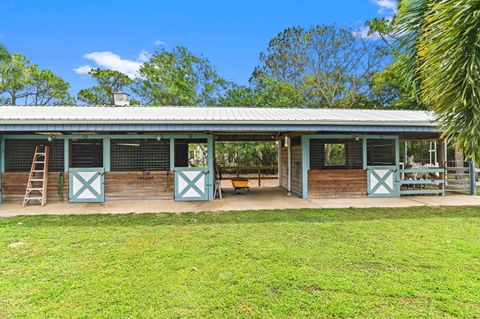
{"points": [[443, 164], [473, 177]]}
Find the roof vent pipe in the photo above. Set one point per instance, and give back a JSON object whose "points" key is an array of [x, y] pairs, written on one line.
{"points": [[121, 99]]}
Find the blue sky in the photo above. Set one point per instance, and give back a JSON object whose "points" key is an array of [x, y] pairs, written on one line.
{"points": [[67, 36]]}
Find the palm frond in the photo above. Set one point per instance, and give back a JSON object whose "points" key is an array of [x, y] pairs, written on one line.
{"points": [[450, 69], [440, 41]]}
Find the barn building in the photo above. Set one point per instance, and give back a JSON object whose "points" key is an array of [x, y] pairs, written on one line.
{"points": [[113, 153]]}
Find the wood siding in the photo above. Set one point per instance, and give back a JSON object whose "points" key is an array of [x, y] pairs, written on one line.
{"points": [[337, 183], [296, 169], [119, 186], [284, 169], [133, 186], [15, 184]]}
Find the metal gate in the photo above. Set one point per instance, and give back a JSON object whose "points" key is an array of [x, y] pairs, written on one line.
{"points": [[382, 181], [86, 185], [191, 184]]}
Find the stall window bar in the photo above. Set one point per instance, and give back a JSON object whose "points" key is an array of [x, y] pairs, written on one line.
{"points": [[139, 155]]}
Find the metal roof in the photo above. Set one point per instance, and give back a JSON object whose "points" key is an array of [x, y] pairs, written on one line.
{"points": [[28, 115]]}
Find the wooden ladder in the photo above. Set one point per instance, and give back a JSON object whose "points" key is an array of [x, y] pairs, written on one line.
{"points": [[38, 178]]}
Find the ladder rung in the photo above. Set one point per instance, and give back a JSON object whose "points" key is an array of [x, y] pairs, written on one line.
{"points": [[40, 157]]}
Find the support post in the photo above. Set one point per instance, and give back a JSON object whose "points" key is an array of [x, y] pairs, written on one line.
{"points": [[2, 165], [211, 166], [66, 154], [442, 163], [2, 154], [473, 177], [305, 165], [106, 154], [364, 152], [405, 152], [279, 163], [397, 166], [289, 166], [172, 154]]}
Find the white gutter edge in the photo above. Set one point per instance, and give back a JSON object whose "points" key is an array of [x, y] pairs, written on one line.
{"points": [[229, 122]]}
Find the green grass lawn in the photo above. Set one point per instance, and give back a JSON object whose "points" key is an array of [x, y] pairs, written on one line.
{"points": [[417, 262]]}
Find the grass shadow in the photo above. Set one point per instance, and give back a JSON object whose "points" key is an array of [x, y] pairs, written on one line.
{"points": [[243, 217]]}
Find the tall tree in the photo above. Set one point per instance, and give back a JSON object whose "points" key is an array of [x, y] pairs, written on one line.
{"points": [[440, 43], [179, 77], [13, 78], [108, 83], [4, 54], [330, 65], [264, 92], [45, 88], [387, 87], [24, 83], [388, 90]]}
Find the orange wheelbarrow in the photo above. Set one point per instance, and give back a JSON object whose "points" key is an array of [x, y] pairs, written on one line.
{"points": [[240, 185]]}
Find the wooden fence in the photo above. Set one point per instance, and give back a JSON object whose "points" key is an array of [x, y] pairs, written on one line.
{"points": [[458, 176], [258, 173]]}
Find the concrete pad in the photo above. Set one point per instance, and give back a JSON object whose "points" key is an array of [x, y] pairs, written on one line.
{"points": [[365, 202], [449, 200], [257, 199]]}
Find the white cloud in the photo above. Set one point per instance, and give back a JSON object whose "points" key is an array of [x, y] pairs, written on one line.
{"points": [[158, 42], [83, 69], [386, 6], [112, 61], [362, 33], [144, 56]]}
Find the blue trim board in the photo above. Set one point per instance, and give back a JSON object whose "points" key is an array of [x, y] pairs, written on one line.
{"points": [[211, 168], [213, 127], [101, 136], [396, 176], [172, 153], [305, 165], [1, 194], [106, 154], [473, 178], [2, 154], [2, 165], [66, 154], [364, 152]]}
